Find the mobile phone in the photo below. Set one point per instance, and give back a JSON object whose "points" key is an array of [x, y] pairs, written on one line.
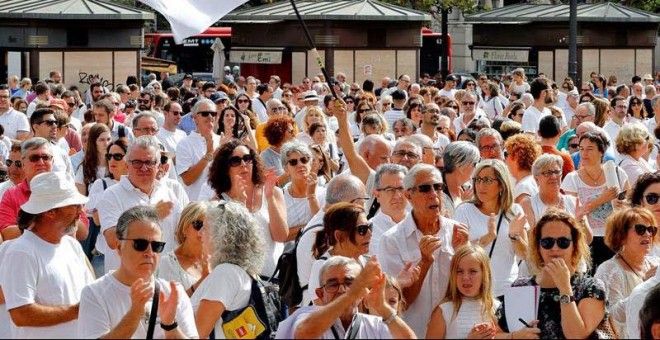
{"points": [[622, 195]]}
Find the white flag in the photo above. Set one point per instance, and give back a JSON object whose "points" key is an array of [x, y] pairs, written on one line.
{"points": [[191, 17]]}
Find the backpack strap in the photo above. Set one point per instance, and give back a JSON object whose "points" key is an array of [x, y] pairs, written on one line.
{"points": [[105, 185], [154, 311], [301, 232], [492, 247], [121, 131], [354, 328]]}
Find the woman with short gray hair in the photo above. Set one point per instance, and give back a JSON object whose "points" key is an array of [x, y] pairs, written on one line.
{"points": [[459, 160], [302, 195]]}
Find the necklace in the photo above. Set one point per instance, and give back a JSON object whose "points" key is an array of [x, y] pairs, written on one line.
{"points": [[629, 266], [595, 180]]}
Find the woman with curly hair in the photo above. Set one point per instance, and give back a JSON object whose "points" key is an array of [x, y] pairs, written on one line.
{"points": [[94, 165], [233, 239], [278, 131], [237, 174], [521, 151]]}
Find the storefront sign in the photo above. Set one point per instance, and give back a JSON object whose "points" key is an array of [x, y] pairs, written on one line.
{"points": [[256, 57], [501, 55]]}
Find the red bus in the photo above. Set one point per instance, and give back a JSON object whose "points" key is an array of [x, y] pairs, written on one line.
{"points": [[195, 54]]}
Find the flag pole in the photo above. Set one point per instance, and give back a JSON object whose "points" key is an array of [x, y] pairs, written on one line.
{"points": [[314, 51]]}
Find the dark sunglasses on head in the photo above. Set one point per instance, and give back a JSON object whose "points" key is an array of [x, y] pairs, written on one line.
{"points": [[549, 242], [238, 160], [18, 164], [207, 113], [198, 225], [425, 188], [652, 198], [140, 244], [641, 229], [363, 229], [294, 162], [116, 156]]}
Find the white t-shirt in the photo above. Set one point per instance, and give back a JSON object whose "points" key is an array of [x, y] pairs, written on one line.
{"points": [[298, 211], [532, 117], [447, 93], [80, 177], [526, 186], [372, 327], [170, 140], [35, 271], [5, 319], [504, 262], [124, 195], [189, 152], [13, 122], [105, 302], [229, 284], [169, 269]]}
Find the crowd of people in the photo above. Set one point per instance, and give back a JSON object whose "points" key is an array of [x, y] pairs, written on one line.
{"points": [[330, 209]]}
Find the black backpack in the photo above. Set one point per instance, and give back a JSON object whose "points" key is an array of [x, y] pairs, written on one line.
{"points": [[291, 292]]}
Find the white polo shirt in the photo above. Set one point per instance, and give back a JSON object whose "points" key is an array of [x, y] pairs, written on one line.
{"points": [[124, 195], [189, 152], [14, 122], [400, 245]]}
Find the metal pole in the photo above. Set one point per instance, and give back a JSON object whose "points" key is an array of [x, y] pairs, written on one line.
{"points": [[572, 43], [444, 63]]}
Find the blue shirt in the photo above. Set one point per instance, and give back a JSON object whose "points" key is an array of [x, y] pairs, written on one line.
{"points": [[187, 123]]}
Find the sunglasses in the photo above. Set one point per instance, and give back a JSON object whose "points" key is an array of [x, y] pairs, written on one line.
{"points": [[176, 113], [363, 229], [468, 103], [36, 158], [574, 146], [243, 101], [349, 102], [116, 156], [294, 162], [452, 107], [652, 198], [235, 161], [549, 242], [18, 164], [48, 122], [140, 244], [207, 113], [641, 229], [426, 188], [198, 225]]}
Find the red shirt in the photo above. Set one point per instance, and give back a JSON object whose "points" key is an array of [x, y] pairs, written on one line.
{"points": [[568, 161]]}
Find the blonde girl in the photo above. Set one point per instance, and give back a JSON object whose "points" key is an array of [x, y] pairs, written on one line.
{"points": [[468, 309]]}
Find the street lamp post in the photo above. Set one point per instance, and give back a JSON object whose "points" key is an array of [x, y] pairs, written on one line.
{"points": [[444, 48], [572, 42]]}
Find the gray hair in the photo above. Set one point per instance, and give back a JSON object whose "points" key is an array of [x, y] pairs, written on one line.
{"points": [[649, 90], [406, 122], [145, 142], [343, 188], [236, 236], [201, 102], [527, 98], [591, 109], [409, 180], [655, 100], [420, 140], [488, 132], [545, 161], [339, 261], [273, 103], [143, 114], [138, 213], [294, 146], [34, 143], [460, 153], [387, 169], [409, 141]]}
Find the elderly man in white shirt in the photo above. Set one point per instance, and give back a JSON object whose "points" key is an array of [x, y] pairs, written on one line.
{"points": [[140, 187], [425, 238]]}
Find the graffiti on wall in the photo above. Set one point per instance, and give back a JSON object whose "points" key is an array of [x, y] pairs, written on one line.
{"points": [[90, 78]]}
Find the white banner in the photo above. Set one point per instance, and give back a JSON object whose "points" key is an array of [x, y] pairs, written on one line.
{"points": [[255, 57], [500, 55]]}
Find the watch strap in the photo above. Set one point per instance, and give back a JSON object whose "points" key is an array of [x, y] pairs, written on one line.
{"points": [[170, 326]]}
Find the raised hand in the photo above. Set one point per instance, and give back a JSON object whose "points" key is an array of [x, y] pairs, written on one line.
{"points": [[164, 209], [270, 183], [312, 181], [461, 235], [408, 275], [428, 245], [558, 272], [517, 225], [375, 299], [167, 306]]}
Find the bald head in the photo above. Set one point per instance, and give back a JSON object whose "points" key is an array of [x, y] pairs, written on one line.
{"points": [[375, 150]]}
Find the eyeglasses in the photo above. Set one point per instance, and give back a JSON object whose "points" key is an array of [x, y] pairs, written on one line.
{"points": [[467, 103], [48, 122], [294, 161], [355, 90], [586, 90], [489, 148], [391, 190], [409, 154], [332, 286], [652, 198], [426, 188], [152, 131], [235, 161], [243, 101], [562, 242], [470, 84], [365, 198], [641, 229], [551, 173], [363, 229], [116, 156], [485, 180], [36, 158], [574, 146], [580, 118], [18, 164], [207, 113], [198, 225], [176, 113], [138, 164], [140, 244]]}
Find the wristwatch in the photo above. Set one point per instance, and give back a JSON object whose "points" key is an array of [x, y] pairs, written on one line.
{"points": [[566, 299], [169, 327], [389, 320], [515, 237], [208, 157]]}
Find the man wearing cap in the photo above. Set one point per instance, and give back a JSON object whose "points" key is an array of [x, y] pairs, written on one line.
{"points": [[140, 187], [449, 90], [398, 101], [259, 103], [187, 83], [311, 99], [45, 270], [220, 100]]}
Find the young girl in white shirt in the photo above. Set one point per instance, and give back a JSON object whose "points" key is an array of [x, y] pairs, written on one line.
{"points": [[468, 309]]}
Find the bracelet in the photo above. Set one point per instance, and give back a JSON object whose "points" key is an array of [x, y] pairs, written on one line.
{"points": [[170, 327], [389, 320], [309, 197]]}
